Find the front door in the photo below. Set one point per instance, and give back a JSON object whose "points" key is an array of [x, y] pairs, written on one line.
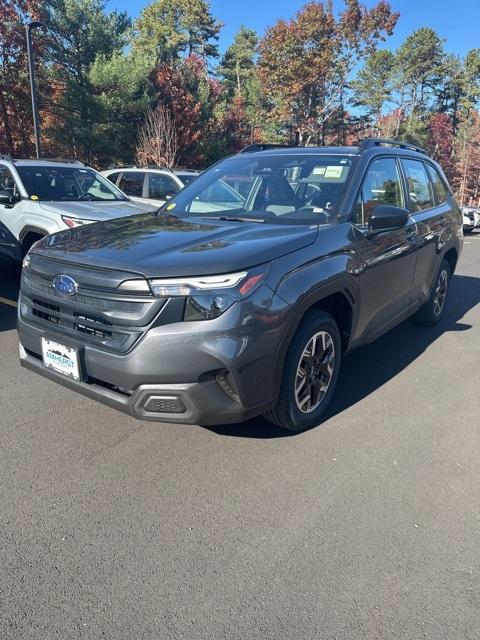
{"points": [[388, 258], [9, 213]]}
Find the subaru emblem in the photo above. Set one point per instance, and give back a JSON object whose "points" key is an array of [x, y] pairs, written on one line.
{"points": [[64, 285]]}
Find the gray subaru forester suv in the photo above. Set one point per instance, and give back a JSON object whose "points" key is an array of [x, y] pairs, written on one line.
{"points": [[242, 295]]}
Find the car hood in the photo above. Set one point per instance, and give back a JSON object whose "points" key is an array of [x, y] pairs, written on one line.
{"points": [[156, 245], [92, 210]]}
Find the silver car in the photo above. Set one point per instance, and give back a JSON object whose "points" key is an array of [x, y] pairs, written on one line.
{"points": [[40, 197]]}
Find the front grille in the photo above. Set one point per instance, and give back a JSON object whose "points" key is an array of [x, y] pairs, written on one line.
{"points": [[95, 326], [46, 311], [105, 319]]}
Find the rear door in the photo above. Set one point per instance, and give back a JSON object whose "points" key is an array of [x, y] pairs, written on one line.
{"points": [[428, 201], [388, 257]]}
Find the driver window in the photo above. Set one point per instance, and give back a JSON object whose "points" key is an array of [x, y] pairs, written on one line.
{"points": [[7, 182], [381, 185]]}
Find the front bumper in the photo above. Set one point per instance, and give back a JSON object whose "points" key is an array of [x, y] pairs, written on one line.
{"points": [[204, 402], [175, 367]]}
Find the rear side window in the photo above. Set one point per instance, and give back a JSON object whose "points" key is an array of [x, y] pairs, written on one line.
{"points": [[160, 186], [381, 185], [132, 183], [418, 185], [439, 189], [113, 177]]}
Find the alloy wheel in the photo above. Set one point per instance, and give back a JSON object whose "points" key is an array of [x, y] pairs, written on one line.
{"points": [[441, 290], [314, 371]]}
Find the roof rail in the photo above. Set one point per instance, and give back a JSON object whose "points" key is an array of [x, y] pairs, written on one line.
{"points": [[62, 160], [369, 143], [5, 156], [251, 148], [139, 166]]}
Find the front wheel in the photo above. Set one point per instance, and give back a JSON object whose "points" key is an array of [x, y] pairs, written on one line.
{"points": [[431, 312], [310, 373]]}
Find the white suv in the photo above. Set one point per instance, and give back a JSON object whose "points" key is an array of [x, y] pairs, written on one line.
{"points": [[154, 185], [39, 197]]}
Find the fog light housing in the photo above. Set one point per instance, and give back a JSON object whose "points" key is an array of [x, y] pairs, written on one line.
{"points": [[164, 404]]}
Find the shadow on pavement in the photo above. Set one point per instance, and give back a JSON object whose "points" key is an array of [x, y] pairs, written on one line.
{"points": [[9, 285], [371, 366]]}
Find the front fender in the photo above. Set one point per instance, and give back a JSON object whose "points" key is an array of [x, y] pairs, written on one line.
{"points": [[307, 286]]}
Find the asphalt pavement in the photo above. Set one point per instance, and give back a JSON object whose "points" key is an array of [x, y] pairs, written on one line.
{"points": [[367, 526]]}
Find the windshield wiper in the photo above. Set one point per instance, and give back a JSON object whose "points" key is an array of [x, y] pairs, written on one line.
{"points": [[234, 218]]}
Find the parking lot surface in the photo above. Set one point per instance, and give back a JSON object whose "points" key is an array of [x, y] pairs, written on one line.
{"points": [[367, 526]]}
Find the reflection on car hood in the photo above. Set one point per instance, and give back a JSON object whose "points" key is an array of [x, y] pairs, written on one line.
{"points": [[93, 210], [156, 245]]}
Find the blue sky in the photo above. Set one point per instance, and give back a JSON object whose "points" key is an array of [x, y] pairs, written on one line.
{"points": [[458, 21]]}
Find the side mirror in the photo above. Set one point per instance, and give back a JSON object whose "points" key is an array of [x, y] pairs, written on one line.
{"points": [[169, 195], [387, 218], [6, 197]]}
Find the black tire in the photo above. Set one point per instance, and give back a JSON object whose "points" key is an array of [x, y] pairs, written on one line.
{"points": [[431, 312], [287, 413]]}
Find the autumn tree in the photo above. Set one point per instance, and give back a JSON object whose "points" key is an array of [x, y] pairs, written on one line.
{"points": [[15, 108], [305, 63], [158, 139]]}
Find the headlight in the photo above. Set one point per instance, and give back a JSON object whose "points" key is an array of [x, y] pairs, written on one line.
{"points": [[26, 262], [75, 222], [207, 297]]}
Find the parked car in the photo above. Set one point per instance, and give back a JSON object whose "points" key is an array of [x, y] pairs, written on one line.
{"points": [[154, 185], [38, 197], [10, 249], [196, 314], [471, 219]]}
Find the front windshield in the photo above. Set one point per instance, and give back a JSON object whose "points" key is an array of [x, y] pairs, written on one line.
{"points": [[295, 188], [73, 184]]}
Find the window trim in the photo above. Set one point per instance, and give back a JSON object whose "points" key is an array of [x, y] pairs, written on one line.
{"points": [[430, 166], [407, 193], [383, 156]]}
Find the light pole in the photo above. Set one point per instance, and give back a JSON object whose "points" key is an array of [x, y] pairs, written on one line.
{"points": [[33, 88]]}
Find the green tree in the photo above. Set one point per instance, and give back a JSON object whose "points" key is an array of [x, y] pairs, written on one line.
{"points": [[373, 86], [237, 67], [419, 63], [123, 92], [168, 29], [80, 31]]}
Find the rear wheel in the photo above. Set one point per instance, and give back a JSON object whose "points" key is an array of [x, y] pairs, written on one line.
{"points": [[310, 373], [432, 310]]}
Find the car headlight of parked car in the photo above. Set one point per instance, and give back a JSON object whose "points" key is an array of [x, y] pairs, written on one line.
{"points": [[207, 297], [75, 222]]}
